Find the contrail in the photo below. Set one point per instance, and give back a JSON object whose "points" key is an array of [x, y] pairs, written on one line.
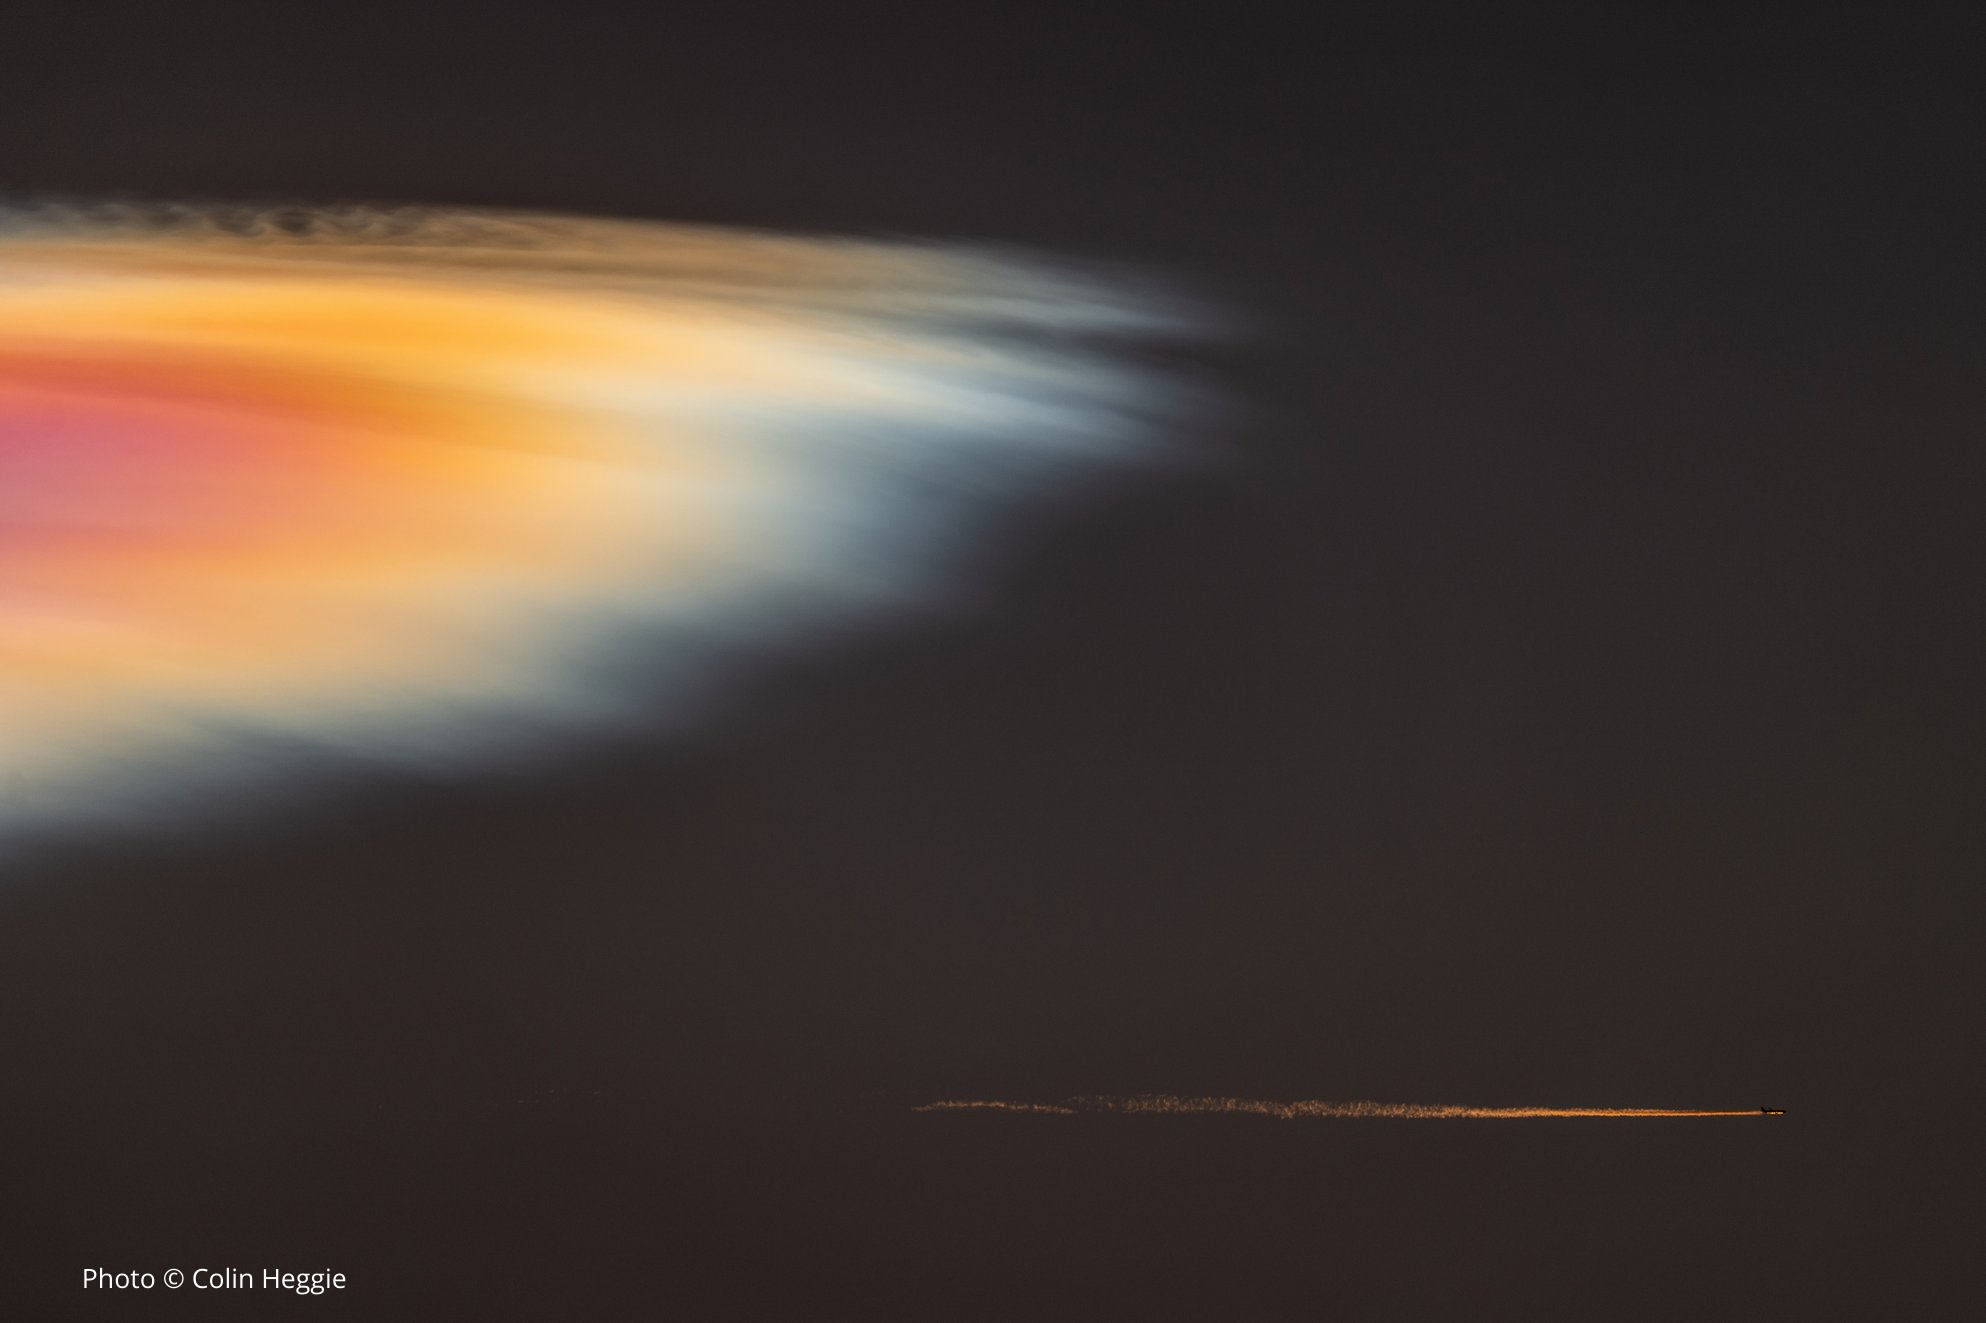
{"points": [[986, 1105], [1168, 1105]]}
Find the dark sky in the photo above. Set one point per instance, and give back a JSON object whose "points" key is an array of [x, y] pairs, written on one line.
{"points": [[1565, 692]]}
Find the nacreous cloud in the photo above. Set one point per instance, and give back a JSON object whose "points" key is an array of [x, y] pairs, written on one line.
{"points": [[410, 482]]}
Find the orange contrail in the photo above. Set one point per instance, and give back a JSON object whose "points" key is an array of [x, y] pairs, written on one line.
{"points": [[981, 1105], [1168, 1105]]}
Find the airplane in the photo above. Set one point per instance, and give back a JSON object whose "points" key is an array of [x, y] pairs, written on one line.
{"points": [[1772, 1111]]}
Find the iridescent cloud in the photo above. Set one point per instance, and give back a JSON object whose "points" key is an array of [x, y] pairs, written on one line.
{"points": [[404, 482]]}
